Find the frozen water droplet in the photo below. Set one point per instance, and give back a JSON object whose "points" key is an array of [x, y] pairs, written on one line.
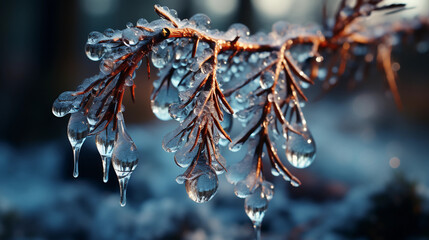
{"points": [[200, 20], [142, 22], [94, 37], [129, 81], [161, 57], [238, 29], [206, 68], [255, 206], [203, 186], [130, 36], [94, 51], [129, 25], [300, 149], [105, 141], [109, 32], [181, 179], [106, 66], [295, 183], [125, 157], [242, 189], [160, 105], [268, 190], [274, 172], [77, 131]]}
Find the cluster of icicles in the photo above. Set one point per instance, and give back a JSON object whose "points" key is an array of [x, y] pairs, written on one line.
{"points": [[114, 145], [172, 58]]}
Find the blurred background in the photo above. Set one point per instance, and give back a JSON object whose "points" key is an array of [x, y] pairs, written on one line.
{"points": [[369, 181]]}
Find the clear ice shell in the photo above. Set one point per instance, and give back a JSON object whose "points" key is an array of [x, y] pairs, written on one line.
{"points": [[77, 131], [105, 141], [124, 158], [300, 149], [202, 185]]}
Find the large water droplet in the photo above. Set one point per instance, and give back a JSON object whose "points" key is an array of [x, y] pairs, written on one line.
{"points": [[106, 66], [160, 57], [161, 103], [131, 36], [105, 141], [94, 37], [255, 206], [77, 131], [203, 186], [94, 51], [200, 20], [124, 158], [300, 149]]}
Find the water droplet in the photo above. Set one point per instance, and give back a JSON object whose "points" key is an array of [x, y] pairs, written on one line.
{"points": [[94, 51], [129, 81], [274, 172], [94, 37], [160, 105], [200, 20], [202, 186], [238, 29], [142, 22], [109, 32], [130, 36], [206, 68], [106, 66], [181, 179], [77, 131], [295, 183], [300, 149], [268, 190], [255, 206], [105, 141], [161, 57], [242, 189], [124, 158]]}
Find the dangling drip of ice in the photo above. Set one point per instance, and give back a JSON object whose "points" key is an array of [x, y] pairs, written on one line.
{"points": [[124, 157], [255, 206], [201, 184], [105, 141], [77, 131], [300, 148]]}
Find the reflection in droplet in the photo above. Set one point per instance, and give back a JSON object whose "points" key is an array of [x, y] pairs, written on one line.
{"points": [[300, 148]]}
